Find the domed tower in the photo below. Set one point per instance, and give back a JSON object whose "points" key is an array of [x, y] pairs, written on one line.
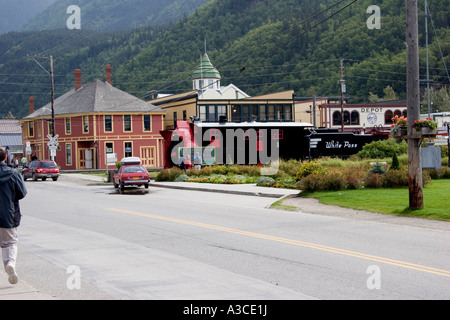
{"points": [[206, 77]]}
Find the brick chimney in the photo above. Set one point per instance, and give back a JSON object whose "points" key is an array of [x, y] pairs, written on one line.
{"points": [[31, 101], [108, 74], [77, 79]]}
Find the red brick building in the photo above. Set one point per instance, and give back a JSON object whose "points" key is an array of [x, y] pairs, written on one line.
{"points": [[93, 120]]}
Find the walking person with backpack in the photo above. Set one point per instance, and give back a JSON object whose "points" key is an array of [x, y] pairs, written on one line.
{"points": [[12, 190]]}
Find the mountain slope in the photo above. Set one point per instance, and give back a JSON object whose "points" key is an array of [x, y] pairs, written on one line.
{"points": [[261, 46], [106, 15], [14, 14]]}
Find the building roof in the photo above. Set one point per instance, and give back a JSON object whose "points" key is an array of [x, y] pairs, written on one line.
{"points": [[228, 92], [93, 97], [10, 140], [10, 127], [206, 70]]}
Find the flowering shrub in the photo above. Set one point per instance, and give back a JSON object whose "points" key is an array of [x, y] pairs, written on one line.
{"points": [[308, 168], [427, 123]]}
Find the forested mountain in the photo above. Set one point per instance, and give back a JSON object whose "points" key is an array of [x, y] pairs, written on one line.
{"points": [[107, 15], [261, 46]]}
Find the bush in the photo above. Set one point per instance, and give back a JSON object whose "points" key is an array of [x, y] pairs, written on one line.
{"points": [[395, 165], [374, 180], [383, 149], [264, 181], [307, 169], [169, 174], [220, 170], [252, 171], [396, 179], [377, 168], [443, 173], [330, 180], [182, 178], [290, 167], [355, 179]]}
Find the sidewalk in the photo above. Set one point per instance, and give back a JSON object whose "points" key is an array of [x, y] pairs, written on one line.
{"points": [[19, 291]]}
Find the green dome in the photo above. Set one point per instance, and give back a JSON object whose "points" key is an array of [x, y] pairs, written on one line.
{"points": [[206, 70]]}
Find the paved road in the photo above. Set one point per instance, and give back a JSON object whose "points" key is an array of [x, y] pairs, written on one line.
{"points": [[178, 244]]}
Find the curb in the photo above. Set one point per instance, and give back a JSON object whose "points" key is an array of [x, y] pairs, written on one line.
{"points": [[244, 193]]}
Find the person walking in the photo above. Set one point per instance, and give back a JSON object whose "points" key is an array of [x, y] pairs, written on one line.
{"points": [[12, 190], [198, 162]]}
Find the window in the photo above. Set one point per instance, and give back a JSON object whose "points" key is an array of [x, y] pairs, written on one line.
{"points": [[279, 113], [288, 112], [246, 112], [127, 123], [354, 118], [31, 129], [202, 113], [271, 112], [212, 113], [69, 154], [128, 149], [174, 120], [108, 124], [346, 117], [67, 125], [236, 113], [336, 118], [85, 124], [109, 147], [147, 123], [221, 112], [262, 113], [388, 115]]}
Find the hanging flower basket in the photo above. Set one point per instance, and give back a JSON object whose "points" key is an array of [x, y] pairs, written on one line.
{"points": [[398, 132], [428, 132], [427, 127]]}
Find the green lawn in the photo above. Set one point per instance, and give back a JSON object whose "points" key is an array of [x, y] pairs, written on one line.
{"points": [[393, 201]]}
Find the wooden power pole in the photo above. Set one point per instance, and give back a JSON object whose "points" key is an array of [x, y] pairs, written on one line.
{"points": [[342, 88], [413, 105]]}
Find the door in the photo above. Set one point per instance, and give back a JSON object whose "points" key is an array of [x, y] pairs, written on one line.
{"points": [[89, 158]]}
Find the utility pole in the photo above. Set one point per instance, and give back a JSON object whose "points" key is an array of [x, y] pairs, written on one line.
{"points": [[342, 85], [314, 113], [52, 83], [428, 61], [52, 130], [413, 104]]}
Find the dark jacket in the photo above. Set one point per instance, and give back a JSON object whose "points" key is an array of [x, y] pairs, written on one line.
{"points": [[12, 189]]}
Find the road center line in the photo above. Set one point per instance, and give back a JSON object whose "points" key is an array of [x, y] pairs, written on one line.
{"points": [[359, 255]]}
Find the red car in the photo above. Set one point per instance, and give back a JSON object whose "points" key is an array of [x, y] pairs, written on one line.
{"points": [[41, 169], [131, 173]]}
